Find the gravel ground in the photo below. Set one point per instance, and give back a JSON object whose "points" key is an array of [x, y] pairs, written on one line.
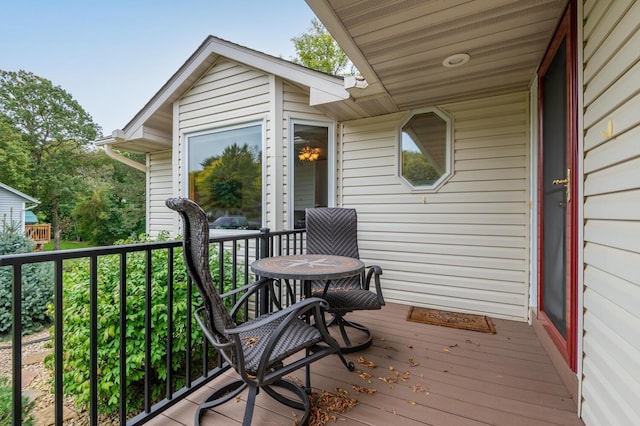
{"points": [[36, 379]]}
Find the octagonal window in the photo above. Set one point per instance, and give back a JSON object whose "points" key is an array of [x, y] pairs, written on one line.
{"points": [[425, 148]]}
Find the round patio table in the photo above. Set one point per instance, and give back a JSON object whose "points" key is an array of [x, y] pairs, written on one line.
{"points": [[307, 268]]}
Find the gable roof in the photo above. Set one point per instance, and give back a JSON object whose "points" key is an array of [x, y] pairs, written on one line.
{"points": [[151, 128], [19, 194]]}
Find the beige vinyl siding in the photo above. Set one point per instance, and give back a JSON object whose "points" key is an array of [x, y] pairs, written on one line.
{"points": [[611, 339], [228, 94], [465, 246], [159, 188]]}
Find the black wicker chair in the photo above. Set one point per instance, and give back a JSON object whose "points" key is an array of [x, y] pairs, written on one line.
{"points": [[260, 350], [334, 231]]}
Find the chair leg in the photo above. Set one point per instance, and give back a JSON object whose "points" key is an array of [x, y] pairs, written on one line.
{"points": [[219, 397], [251, 402]]}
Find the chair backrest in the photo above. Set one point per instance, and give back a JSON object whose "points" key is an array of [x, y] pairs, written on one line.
{"points": [[332, 230], [196, 254]]}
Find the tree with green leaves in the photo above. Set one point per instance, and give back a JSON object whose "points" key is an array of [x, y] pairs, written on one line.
{"points": [[15, 170], [231, 182], [113, 207], [317, 49], [56, 130]]}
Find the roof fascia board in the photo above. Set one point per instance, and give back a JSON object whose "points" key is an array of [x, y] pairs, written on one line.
{"points": [[323, 10], [19, 194], [179, 78], [316, 80]]}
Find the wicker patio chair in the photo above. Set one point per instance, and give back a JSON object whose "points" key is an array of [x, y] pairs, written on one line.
{"points": [[264, 350], [334, 231]]}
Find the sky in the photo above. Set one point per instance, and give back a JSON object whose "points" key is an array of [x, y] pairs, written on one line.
{"points": [[112, 56]]}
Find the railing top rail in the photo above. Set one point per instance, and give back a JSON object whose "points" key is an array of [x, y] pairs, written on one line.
{"points": [[35, 257]]}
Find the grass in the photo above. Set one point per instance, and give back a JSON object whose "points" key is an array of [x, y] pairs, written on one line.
{"points": [[67, 245]]}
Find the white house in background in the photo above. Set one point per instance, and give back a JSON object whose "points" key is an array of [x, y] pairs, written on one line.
{"points": [[491, 149], [13, 207]]}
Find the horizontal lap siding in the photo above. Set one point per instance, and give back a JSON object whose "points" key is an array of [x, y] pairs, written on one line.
{"points": [[11, 209], [159, 188], [228, 94], [464, 247], [611, 342]]}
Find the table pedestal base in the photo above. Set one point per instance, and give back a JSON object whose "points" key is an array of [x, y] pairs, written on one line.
{"points": [[359, 340]]}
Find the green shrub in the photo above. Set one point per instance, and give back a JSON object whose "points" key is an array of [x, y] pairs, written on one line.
{"points": [[6, 405], [76, 319], [37, 286]]}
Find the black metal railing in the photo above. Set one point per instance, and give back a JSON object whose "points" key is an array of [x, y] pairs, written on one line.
{"points": [[234, 256]]}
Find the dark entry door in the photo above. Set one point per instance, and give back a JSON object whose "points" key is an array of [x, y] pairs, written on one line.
{"points": [[557, 286]]}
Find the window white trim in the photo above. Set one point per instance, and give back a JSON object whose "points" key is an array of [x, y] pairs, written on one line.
{"points": [[448, 149], [331, 162], [184, 160]]}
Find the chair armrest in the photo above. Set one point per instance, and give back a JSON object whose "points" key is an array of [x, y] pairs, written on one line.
{"points": [[293, 311], [249, 289], [313, 307], [374, 271]]}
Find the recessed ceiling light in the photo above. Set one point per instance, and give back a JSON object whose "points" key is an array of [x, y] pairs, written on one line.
{"points": [[456, 60]]}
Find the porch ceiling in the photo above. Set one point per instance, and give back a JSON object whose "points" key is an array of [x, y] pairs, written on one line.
{"points": [[399, 46]]}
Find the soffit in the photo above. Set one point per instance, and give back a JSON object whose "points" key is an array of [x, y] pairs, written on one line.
{"points": [[399, 46]]}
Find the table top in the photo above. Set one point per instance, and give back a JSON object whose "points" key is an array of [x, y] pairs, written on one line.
{"points": [[307, 267]]}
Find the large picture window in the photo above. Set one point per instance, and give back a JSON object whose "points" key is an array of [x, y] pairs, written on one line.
{"points": [[225, 175], [425, 148]]}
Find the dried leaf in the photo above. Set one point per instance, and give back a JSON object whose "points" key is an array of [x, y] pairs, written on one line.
{"points": [[363, 374], [362, 361], [250, 341], [413, 363], [446, 349], [412, 402], [326, 405], [362, 389]]}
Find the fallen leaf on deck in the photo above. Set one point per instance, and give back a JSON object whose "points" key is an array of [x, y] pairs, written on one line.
{"points": [[412, 402], [362, 361], [362, 389], [413, 363], [324, 406], [363, 374]]}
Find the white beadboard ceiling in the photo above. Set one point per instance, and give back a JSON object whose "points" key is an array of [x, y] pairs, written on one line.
{"points": [[399, 45]]}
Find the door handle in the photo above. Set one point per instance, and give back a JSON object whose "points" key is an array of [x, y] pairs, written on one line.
{"points": [[566, 182]]}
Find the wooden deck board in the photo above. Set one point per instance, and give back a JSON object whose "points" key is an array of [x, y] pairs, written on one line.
{"points": [[451, 377]]}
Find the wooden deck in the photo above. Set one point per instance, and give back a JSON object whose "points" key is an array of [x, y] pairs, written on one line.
{"points": [[446, 377]]}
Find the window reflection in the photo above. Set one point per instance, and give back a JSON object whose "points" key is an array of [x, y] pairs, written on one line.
{"points": [[225, 176], [424, 149]]}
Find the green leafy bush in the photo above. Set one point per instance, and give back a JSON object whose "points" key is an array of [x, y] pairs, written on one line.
{"points": [[37, 285], [6, 404], [76, 317]]}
